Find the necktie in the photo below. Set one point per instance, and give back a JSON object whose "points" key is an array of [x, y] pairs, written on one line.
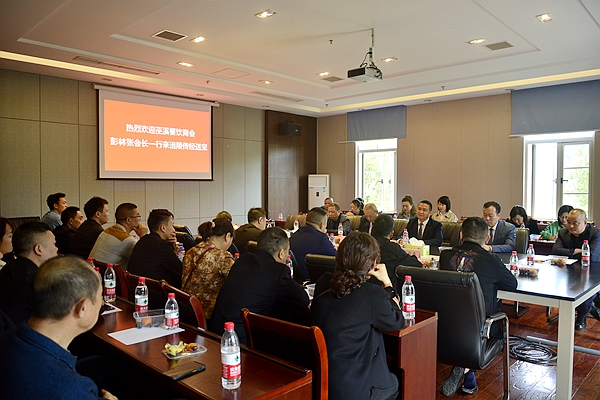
{"points": [[491, 235], [420, 231], [370, 227]]}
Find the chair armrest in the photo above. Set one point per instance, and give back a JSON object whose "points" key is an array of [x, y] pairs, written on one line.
{"points": [[491, 319]]}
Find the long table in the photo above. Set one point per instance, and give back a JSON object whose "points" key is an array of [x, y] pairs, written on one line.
{"points": [[262, 377], [414, 350], [564, 288]]}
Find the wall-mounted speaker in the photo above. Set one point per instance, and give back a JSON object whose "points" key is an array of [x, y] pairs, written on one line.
{"points": [[290, 129]]}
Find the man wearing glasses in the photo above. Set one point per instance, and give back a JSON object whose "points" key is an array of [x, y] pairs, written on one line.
{"points": [[115, 244]]}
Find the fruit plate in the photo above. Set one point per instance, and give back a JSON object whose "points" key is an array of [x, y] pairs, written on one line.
{"points": [[199, 350]]}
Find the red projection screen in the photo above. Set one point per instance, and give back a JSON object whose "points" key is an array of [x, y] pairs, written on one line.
{"points": [[148, 136]]}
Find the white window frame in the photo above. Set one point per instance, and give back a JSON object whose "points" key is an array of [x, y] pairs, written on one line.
{"points": [[376, 146]]}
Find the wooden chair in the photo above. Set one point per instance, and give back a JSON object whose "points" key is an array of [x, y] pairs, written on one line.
{"points": [[156, 297], [190, 308], [122, 287], [252, 246], [463, 328], [269, 335]]}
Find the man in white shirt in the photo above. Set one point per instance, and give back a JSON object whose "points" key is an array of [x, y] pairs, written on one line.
{"points": [[115, 244]]}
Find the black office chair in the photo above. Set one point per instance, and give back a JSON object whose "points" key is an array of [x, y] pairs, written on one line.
{"points": [[186, 239], [463, 330], [317, 265]]}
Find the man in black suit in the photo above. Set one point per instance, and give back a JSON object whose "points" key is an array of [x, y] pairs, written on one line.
{"points": [[503, 235], [33, 243], [84, 238], [366, 222], [153, 256], [423, 227], [260, 282]]}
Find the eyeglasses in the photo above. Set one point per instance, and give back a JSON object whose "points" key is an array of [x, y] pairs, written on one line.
{"points": [[135, 216]]}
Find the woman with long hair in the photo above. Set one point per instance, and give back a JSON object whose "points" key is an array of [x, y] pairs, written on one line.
{"points": [[353, 314], [207, 265], [519, 218], [444, 214], [551, 230], [408, 208]]}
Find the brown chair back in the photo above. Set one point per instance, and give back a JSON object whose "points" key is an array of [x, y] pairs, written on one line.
{"points": [[190, 308], [318, 264], [122, 287], [252, 246], [156, 297], [262, 331], [289, 222]]}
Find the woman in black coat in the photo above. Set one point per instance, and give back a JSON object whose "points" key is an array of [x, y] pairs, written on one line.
{"points": [[353, 314]]}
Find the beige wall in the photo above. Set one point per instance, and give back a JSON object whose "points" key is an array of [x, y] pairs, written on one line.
{"points": [[337, 159], [48, 143], [457, 148]]}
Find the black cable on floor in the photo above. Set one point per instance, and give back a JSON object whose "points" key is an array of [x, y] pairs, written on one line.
{"points": [[525, 350]]}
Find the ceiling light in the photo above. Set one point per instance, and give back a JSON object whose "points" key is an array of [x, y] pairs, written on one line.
{"points": [[476, 41], [389, 59], [544, 17], [265, 14], [185, 64], [265, 82], [198, 39], [324, 73]]}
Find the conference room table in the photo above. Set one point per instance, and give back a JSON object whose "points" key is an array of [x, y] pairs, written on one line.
{"points": [[563, 287], [262, 377]]}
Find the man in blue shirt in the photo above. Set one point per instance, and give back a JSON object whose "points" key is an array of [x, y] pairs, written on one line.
{"points": [[35, 361]]}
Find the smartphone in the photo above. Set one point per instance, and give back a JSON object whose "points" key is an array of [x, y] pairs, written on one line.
{"points": [[184, 370]]}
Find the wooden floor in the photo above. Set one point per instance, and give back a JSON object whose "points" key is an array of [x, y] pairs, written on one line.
{"points": [[530, 381]]}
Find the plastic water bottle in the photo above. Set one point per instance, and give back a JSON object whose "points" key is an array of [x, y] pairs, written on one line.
{"points": [[110, 284], [171, 313], [585, 254], [281, 216], [180, 251], [90, 261], [236, 255], [296, 224], [405, 237], [290, 265], [530, 255], [332, 238], [231, 359], [141, 296], [408, 298], [340, 229], [514, 263]]}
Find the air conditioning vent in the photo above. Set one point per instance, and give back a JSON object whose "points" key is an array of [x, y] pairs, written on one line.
{"points": [[114, 65], [498, 46], [169, 35], [276, 96], [332, 79]]}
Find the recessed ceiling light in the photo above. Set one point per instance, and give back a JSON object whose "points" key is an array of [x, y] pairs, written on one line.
{"points": [[266, 82], [389, 59], [198, 39], [476, 41], [265, 14], [544, 17], [324, 73], [185, 64]]}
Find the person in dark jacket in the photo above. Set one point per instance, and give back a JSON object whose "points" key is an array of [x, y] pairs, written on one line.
{"points": [[392, 254], [492, 275], [353, 314]]}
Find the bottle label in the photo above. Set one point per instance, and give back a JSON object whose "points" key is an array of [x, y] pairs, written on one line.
{"points": [[408, 304], [172, 319], [529, 259], [585, 259], [232, 367], [110, 288], [141, 304]]}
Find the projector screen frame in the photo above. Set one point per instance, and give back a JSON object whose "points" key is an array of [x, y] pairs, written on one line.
{"points": [[156, 104]]}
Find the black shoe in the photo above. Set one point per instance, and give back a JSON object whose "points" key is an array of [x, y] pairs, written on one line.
{"points": [[580, 325], [452, 384], [595, 313]]}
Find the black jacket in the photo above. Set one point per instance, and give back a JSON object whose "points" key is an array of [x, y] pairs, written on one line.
{"points": [[154, 257]]}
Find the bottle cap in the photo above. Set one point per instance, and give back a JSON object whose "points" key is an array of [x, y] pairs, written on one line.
{"points": [[514, 252], [109, 265], [142, 279], [407, 278], [171, 295], [585, 241], [90, 259], [229, 326]]}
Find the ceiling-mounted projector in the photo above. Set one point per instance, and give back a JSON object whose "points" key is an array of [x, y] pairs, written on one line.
{"points": [[365, 74]]}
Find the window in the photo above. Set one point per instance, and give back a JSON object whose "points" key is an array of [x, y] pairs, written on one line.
{"points": [[558, 172], [376, 174]]}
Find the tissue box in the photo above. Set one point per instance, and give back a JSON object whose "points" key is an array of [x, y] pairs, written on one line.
{"points": [[417, 251]]}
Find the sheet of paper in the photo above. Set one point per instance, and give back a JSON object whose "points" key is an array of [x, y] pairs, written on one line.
{"points": [[138, 335], [109, 309]]}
